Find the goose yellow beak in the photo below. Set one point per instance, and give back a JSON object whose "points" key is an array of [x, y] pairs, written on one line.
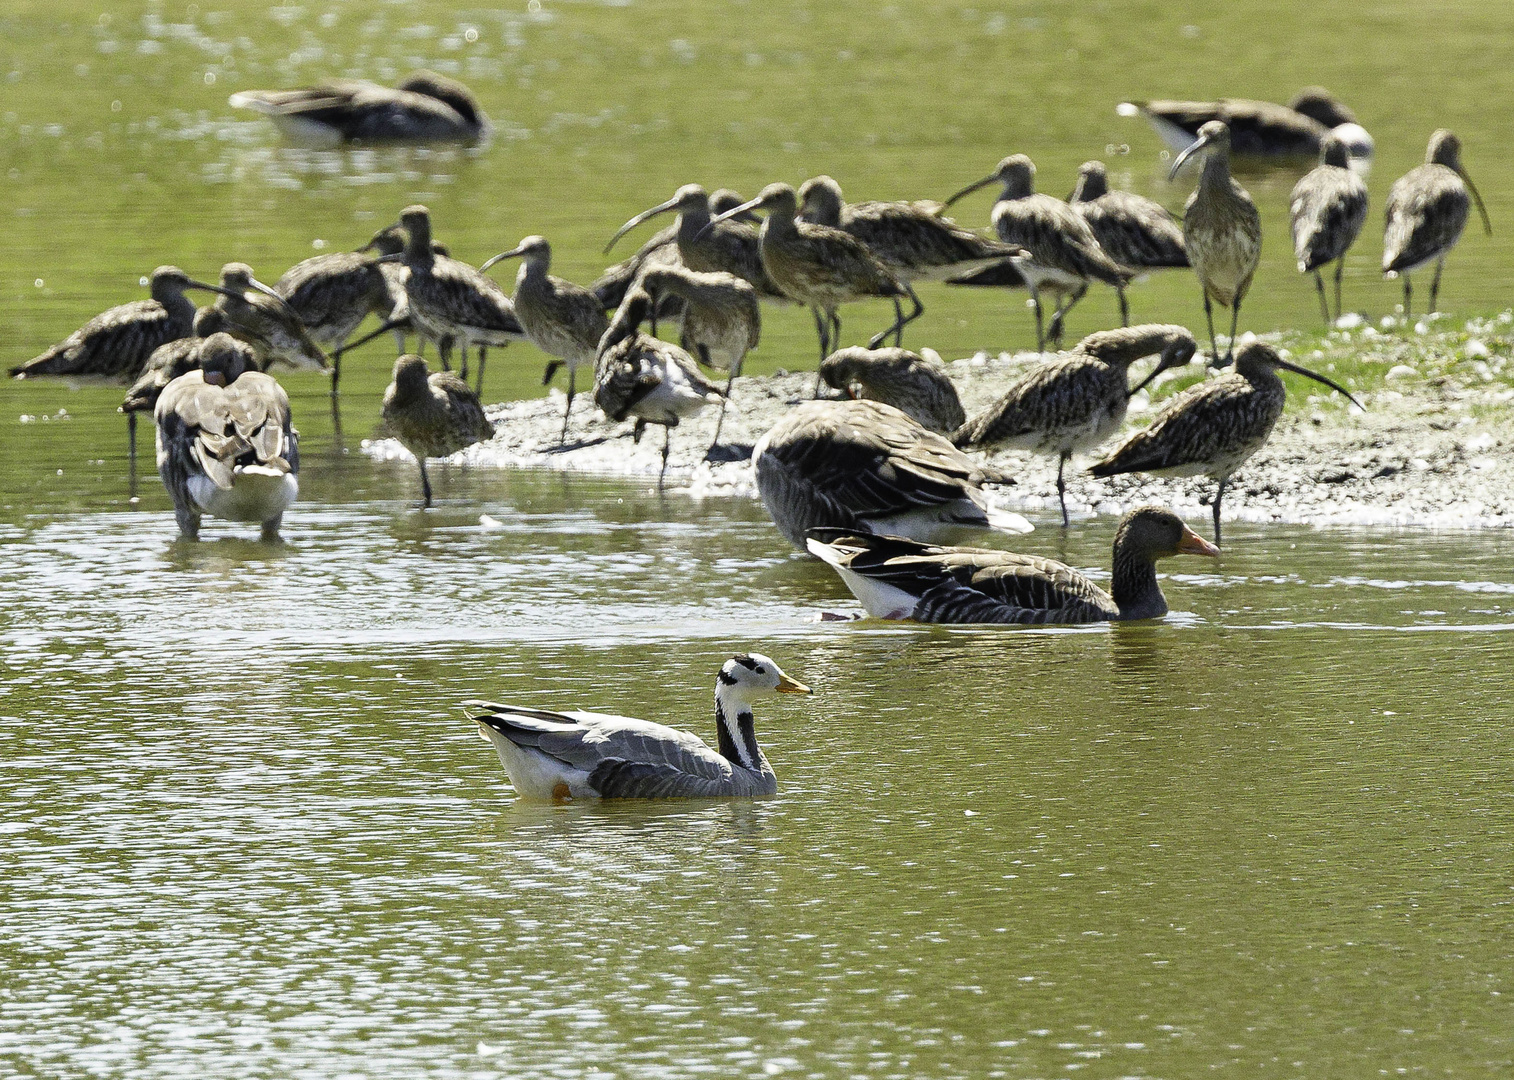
{"points": [[787, 685]]}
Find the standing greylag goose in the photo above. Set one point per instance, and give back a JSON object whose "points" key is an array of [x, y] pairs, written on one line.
{"points": [[563, 320], [226, 445], [895, 578], [432, 414], [1213, 427], [558, 756], [652, 380], [865, 465], [1133, 230], [117, 343], [1427, 210], [1077, 400], [916, 385], [1327, 209], [425, 107]]}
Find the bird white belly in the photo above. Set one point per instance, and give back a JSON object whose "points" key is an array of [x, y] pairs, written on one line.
{"points": [[310, 134], [882, 600], [674, 398], [535, 775], [257, 493]]}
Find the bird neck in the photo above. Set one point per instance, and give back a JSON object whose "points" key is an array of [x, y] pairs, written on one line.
{"points": [[1134, 588], [692, 221], [1090, 187], [179, 307], [418, 241], [1216, 171], [738, 733], [778, 224]]}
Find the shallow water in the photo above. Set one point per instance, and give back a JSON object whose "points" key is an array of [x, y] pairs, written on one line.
{"points": [[248, 832]]}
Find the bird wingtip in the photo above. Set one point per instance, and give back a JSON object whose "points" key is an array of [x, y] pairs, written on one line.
{"points": [[1128, 108]]}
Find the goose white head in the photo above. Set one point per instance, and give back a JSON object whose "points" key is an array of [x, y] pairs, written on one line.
{"points": [[749, 676]]}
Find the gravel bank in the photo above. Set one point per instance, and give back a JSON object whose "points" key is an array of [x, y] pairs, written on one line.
{"points": [[1435, 447]]}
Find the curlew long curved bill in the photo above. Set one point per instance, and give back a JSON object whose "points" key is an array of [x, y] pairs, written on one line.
{"points": [[1182, 158], [1481, 209], [970, 188], [750, 204], [193, 284], [1317, 377], [513, 253], [1173, 356], [645, 215]]}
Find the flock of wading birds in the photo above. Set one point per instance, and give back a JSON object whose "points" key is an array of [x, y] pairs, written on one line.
{"points": [[869, 483]]}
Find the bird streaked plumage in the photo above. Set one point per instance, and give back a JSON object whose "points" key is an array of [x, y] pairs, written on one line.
{"points": [[257, 314], [1212, 428], [333, 293], [1427, 210], [1327, 209], [895, 578], [643, 377], [432, 414], [1133, 230], [1064, 254], [425, 107], [1077, 400], [563, 320], [865, 465], [918, 386], [560, 756], [226, 443], [821, 267], [116, 344], [1222, 231]]}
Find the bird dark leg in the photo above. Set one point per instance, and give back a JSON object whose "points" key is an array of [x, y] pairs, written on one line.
{"points": [[1218, 495], [463, 370], [720, 419], [1408, 292], [567, 412], [898, 328], [425, 485], [1324, 305], [653, 319], [131, 440], [1124, 305], [636, 430], [270, 531], [483, 355], [1214, 346], [551, 370], [899, 321], [1062, 486], [336, 370], [1440, 264], [823, 328], [444, 350], [667, 438], [1235, 317], [189, 522], [1340, 266], [1058, 320]]}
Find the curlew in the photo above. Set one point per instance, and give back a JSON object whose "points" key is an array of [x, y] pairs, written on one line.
{"points": [[1221, 230], [226, 445], [1427, 210], [117, 343], [721, 322], [1133, 230], [916, 385], [432, 414], [640, 376], [1261, 128], [1064, 253], [562, 319], [1213, 427], [1327, 209], [895, 578], [333, 293], [865, 465], [447, 300], [821, 267], [425, 107], [1076, 401], [258, 315], [559, 757]]}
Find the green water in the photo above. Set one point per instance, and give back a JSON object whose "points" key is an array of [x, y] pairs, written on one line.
{"points": [[247, 832]]}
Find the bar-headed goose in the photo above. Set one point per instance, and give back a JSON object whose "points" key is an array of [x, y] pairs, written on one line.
{"points": [[226, 446], [895, 578], [863, 465], [583, 755]]}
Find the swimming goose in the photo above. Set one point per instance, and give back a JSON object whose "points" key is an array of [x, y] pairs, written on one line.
{"points": [[425, 107], [895, 578], [432, 414], [917, 385], [1077, 400], [226, 446], [863, 465], [555, 756]]}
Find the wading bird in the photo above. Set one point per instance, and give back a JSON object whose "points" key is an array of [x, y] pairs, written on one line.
{"points": [[168, 362], [1427, 210], [1077, 400], [1133, 230], [562, 319], [895, 578], [432, 414], [117, 343], [1213, 427], [1222, 230], [424, 107], [257, 314], [1261, 128], [821, 267], [865, 465], [1064, 254], [226, 445], [553, 756], [333, 293], [918, 386], [1327, 209]]}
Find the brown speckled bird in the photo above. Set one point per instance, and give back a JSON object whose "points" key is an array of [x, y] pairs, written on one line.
{"points": [[1327, 209], [432, 414], [917, 386], [1427, 210], [1133, 230]]}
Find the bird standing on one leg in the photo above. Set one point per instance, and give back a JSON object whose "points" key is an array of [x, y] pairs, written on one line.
{"points": [[432, 414]]}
